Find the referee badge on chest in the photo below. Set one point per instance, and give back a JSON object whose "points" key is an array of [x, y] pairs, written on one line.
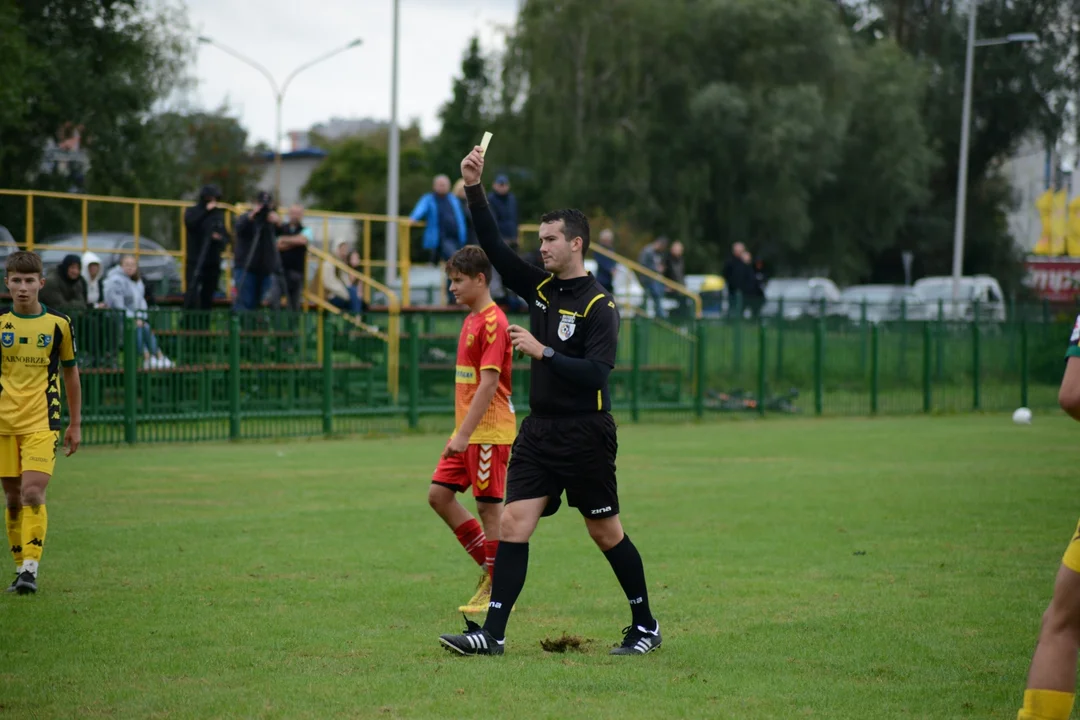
{"points": [[566, 327]]}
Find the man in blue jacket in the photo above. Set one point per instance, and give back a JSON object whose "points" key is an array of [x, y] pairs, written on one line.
{"points": [[503, 206], [444, 233]]}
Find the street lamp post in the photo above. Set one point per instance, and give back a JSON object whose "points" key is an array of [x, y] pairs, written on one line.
{"points": [[965, 133], [279, 93], [393, 162]]}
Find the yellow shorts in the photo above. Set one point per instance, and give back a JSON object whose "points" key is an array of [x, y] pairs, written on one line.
{"points": [[33, 451], [1071, 558]]}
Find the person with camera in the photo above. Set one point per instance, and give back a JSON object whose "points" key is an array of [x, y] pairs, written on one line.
{"points": [[206, 238], [292, 243], [257, 258]]}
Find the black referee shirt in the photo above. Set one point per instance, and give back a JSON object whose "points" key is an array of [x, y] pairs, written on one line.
{"points": [[577, 318]]}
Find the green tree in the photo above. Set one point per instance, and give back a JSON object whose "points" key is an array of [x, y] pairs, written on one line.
{"points": [[207, 147], [468, 113], [100, 65], [731, 120], [352, 177], [1019, 92]]}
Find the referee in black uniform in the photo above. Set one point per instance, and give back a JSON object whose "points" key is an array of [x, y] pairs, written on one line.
{"points": [[568, 441]]}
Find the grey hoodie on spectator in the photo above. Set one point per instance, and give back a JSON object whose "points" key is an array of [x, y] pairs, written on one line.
{"points": [[123, 293]]}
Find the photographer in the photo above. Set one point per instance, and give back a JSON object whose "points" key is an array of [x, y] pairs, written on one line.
{"points": [[206, 238], [257, 257], [292, 243]]}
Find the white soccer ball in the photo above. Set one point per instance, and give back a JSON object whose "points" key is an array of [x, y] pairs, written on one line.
{"points": [[1022, 416]]}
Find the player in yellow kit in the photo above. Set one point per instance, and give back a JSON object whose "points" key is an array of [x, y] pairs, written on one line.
{"points": [[35, 343], [1051, 683]]}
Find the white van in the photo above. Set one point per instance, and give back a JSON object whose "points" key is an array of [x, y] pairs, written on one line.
{"points": [[937, 293]]}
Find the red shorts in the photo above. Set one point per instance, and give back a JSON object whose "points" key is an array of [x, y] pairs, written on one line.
{"points": [[481, 466]]}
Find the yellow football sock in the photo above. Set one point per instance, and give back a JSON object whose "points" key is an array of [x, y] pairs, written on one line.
{"points": [[1046, 705], [35, 521], [14, 534]]}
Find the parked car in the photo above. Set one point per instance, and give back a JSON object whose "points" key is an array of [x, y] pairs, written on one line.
{"points": [[983, 290], [7, 242], [711, 290], [161, 272], [802, 297], [883, 303], [628, 291]]}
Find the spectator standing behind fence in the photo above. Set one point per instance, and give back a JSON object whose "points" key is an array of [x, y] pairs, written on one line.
{"points": [[65, 288], [206, 238], [95, 280], [257, 257], [734, 274], [292, 243], [605, 266], [504, 207], [753, 285], [652, 258], [342, 290], [675, 271], [444, 231], [124, 290]]}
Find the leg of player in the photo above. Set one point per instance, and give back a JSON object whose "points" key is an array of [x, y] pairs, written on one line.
{"points": [[1051, 684], [444, 502], [13, 520], [490, 511], [35, 521], [643, 634], [519, 520]]}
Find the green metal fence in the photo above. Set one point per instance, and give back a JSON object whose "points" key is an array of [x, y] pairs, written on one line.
{"points": [[268, 375]]}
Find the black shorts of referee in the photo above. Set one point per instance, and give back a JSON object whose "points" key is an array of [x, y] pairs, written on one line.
{"points": [[575, 454]]}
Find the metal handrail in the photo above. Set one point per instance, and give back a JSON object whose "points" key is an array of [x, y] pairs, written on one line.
{"points": [[393, 332]]}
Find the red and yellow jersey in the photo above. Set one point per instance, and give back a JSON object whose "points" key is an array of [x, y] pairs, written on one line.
{"points": [[32, 349], [485, 345]]}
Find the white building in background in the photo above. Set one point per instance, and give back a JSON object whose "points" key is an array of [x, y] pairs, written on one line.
{"points": [[296, 168], [335, 129], [1028, 172], [302, 158]]}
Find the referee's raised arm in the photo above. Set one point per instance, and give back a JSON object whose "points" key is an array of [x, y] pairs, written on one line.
{"points": [[518, 275]]}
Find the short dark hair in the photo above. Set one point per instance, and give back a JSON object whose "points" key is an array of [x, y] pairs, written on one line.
{"points": [[575, 224], [470, 261], [24, 262]]}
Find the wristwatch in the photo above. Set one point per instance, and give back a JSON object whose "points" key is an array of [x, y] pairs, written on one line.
{"points": [[547, 354]]}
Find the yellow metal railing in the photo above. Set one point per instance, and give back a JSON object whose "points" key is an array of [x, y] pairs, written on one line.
{"points": [[632, 266], [315, 294], [327, 223]]}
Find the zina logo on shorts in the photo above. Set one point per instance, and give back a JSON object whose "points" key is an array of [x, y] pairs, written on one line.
{"points": [[600, 510]]}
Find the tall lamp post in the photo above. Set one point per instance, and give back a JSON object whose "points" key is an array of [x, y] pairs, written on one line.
{"points": [[393, 162], [965, 133], [279, 93]]}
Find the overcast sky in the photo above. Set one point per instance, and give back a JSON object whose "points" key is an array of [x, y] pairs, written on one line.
{"points": [[283, 34]]}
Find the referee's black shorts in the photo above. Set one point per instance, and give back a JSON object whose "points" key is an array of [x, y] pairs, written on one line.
{"points": [[575, 454]]}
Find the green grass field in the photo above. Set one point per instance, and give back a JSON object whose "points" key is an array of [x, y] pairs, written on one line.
{"points": [[800, 568]]}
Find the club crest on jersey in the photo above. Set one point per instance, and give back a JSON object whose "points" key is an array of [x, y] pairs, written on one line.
{"points": [[7, 339], [469, 340], [43, 340], [566, 327]]}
